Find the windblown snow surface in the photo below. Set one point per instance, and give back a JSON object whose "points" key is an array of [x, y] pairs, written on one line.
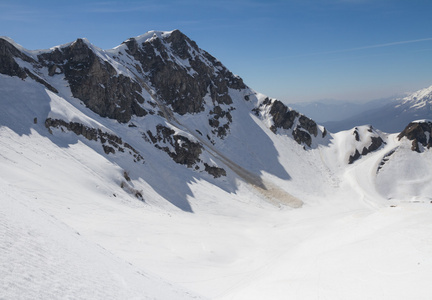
{"points": [[69, 231]]}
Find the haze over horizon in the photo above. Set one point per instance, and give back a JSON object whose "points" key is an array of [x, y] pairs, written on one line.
{"points": [[291, 50]]}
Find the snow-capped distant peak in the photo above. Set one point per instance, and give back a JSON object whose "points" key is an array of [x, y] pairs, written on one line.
{"points": [[419, 98], [421, 93]]}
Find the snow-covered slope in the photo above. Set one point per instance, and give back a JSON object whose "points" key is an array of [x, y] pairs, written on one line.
{"points": [[43, 258], [151, 171], [391, 117]]}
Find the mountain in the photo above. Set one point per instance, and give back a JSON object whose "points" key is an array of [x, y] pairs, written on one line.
{"points": [[392, 117], [150, 171], [328, 110]]}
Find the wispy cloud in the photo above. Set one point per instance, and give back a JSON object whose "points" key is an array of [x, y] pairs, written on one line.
{"points": [[364, 47], [386, 45], [18, 13], [123, 7]]}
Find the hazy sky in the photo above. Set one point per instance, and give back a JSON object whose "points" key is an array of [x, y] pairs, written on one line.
{"points": [[294, 50]]}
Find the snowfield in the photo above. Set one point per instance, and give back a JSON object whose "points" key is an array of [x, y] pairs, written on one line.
{"points": [[64, 235], [286, 222]]}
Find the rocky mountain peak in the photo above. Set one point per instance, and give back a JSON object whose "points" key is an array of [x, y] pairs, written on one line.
{"points": [[181, 44], [162, 74], [80, 50], [180, 72]]}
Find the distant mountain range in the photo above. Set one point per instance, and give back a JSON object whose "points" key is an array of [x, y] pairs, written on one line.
{"points": [[392, 116], [328, 110]]}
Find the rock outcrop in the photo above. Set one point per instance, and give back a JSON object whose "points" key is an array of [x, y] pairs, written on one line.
{"points": [[303, 129], [368, 140], [9, 55], [181, 73], [8, 64], [419, 132], [95, 81], [110, 142], [181, 149]]}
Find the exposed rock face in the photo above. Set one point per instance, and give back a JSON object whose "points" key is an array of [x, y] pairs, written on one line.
{"points": [[356, 134], [367, 140], [9, 65], [376, 143], [302, 137], [110, 142], [385, 159], [420, 135], [220, 121], [354, 157], [183, 84], [309, 125], [283, 117], [95, 81], [215, 171], [181, 149]]}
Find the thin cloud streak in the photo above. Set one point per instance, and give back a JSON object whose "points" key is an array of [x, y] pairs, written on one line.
{"points": [[387, 44], [119, 7], [362, 48]]}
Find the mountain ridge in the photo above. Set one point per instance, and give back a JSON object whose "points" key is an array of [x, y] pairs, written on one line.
{"points": [[165, 78], [161, 161], [196, 107]]}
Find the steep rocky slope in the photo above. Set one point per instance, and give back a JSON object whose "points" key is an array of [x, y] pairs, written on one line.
{"points": [[187, 99]]}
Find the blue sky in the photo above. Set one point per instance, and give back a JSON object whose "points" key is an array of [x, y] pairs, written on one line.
{"points": [[294, 50]]}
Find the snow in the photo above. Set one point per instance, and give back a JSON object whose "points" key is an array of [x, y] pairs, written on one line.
{"points": [[406, 176], [63, 110], [422, 121], [417, 100], [421, 93], [235, 246], [152, 34], [43, 258], [69, 230]]}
